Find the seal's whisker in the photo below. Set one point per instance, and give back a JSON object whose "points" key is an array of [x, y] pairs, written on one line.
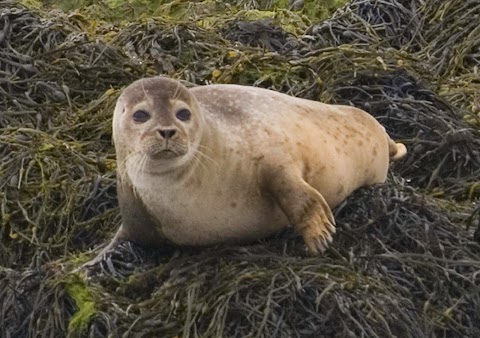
{"points": [[139, 167], [197, 159], [204, 147], [205, 156], [124, 162], [127, 158], [177, 91], [142, 164], [146, 95], [122, 177]]}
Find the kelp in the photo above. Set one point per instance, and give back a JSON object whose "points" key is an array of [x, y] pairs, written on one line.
{"points": [[404, 261]]}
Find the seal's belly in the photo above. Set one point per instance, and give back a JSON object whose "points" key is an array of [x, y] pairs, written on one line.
{"points": [[188, 217]]}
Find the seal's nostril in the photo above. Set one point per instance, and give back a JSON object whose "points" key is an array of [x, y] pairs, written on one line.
{"points": [[167, 133]]}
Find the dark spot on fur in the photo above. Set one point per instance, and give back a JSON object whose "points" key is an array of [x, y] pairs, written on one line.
{"points": [[354, 131], [306, 169], [233, 205]]}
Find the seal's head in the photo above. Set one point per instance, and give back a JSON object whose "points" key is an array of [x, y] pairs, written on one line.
{"points": [[157, 124]]}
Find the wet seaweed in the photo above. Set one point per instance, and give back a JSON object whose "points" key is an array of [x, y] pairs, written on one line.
{"points": [[260, 33]]}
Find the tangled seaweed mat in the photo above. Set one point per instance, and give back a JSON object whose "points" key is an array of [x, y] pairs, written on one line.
{"points": [[404, 262]]}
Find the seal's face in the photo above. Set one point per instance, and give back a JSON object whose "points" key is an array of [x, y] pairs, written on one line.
{"points": [[157, 124]]}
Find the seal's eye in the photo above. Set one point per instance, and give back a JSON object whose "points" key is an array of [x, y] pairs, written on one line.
{"points": [[183, 115], [141, 116]]}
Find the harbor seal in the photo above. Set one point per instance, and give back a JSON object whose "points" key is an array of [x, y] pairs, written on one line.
{"points": [[230, 163]]}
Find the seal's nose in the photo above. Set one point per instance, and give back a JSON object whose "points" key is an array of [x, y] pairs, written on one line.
{"points": [[167, 133]]}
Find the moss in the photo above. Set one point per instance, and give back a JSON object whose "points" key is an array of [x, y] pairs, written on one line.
{"points": [[321, 10], [68, 5], [282, 4], [81, 258], [78, 291], [35, 4]]}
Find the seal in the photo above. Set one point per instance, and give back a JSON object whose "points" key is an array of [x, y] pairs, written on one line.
{"points": [[230, 163]]}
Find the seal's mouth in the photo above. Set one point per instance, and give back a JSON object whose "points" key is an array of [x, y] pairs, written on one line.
{"points": [[160, 152], [164, 150], [165, 154]]}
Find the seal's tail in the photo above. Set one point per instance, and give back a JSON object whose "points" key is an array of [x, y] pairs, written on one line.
{"points": [[397, 150]]}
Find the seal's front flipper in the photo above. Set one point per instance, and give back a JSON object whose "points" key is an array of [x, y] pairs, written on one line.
{"points": [[317, 225], [102, 254], [305, 208]]}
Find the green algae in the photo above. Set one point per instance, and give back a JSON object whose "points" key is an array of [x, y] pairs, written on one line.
{"points": [[85, 306], [321, 10]]}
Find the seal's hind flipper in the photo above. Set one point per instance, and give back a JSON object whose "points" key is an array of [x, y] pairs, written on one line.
{"points": [[396, 150]]}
